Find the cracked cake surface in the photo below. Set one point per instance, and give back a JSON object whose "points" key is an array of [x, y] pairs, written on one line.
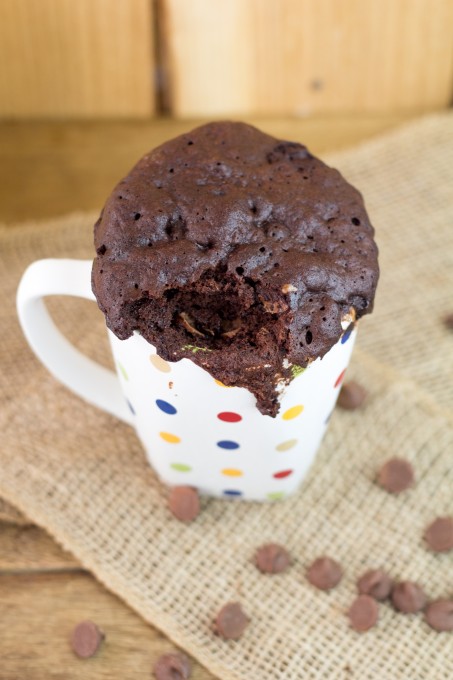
{"points": [[238, 251]]}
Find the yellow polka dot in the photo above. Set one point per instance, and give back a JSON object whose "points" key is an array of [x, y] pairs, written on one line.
{"points": [[293, 412], [232, 472], [286, 446], [159, 363], [220, 384], [170, 438]]}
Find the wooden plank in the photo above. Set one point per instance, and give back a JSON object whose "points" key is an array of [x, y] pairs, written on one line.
{"points": [[38, 613], [31, 549], [67, 167], [10, 515], [90, 58], [298, 57]]}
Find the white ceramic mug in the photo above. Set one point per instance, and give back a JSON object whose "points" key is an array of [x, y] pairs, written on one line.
{"points": [[195, 431]]}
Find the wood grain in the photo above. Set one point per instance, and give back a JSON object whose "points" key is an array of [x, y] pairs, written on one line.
{"points": [[90, 58], [31, 549], [48, 169], [65, 167], [38, 613], [10, 515], [298, 57]]}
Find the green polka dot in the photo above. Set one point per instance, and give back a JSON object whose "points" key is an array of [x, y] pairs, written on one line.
{"points": [[180, 467], [276, 495], [123, 371]]}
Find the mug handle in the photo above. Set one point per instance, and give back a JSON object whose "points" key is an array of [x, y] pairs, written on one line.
{"points": [[85, 377]]}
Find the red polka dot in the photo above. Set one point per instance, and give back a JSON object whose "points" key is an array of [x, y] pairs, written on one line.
{"points": [[340, 378], [283, 474], [229, 417]]}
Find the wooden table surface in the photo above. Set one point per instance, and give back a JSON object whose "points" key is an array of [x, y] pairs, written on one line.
{"points": [[48, 169]]}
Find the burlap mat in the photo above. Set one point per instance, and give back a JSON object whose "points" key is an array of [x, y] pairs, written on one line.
{"points": [[82, 475]]}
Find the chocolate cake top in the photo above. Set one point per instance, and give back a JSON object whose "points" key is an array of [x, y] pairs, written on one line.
{"points": [[242, 245]]}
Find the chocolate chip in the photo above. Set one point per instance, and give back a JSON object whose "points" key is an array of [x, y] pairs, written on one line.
{"points": [[408, 597], [448, 321], [231, 621], [324, 573], [86, 639], [439, 534], [375, 583], [184, 503], [272, 559], [175, 666], [352, 395], [189, 324], [439, 615], [363, 613], [396, 475]]}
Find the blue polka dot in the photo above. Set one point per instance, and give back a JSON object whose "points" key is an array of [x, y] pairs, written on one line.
{"points": [[225, 444], [345, 337], [130, 407], [232, 492], [166, 407]]}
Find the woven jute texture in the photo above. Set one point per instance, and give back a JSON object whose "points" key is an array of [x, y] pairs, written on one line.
{"points": [[83, 476]]}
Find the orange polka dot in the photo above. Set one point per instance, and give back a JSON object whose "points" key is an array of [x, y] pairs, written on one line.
{"points": [[160, 363], [293, 412], [170, 438], [232, 472]]}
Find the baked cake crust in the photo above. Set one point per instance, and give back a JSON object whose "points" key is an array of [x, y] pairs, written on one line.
{"points": [[238, 251]]}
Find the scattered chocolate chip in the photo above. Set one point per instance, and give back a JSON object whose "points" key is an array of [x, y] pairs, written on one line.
{"points": [[86, 638], [363, 613], [439, 615], [231, 621], [174, 666], [375, 583], [272, 559], [184, 503], [352, 395], [324, 573], [408, 597], [439, 534], [448, 321], [396, 475]]}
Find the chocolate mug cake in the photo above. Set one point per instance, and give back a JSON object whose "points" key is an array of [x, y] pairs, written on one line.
{"points": [[236, 250]]}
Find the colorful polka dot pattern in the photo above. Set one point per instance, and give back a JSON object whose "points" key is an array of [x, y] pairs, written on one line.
{"points": [[180, 467], [282, 474], [123, 371], [232, 421], [170, 438], [232, 472], [227, 444], [166, 407], [339, 380], [276, 495], [229, 417], [293, 412], [346, 335], [220, 384], [286, 446], [160, 364]]}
